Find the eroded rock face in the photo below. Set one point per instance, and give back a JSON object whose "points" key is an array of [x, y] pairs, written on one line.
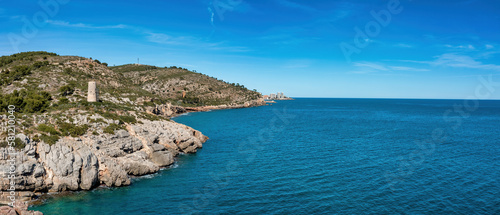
{"points": [[111, 173], [108, 159], [70, 165]]}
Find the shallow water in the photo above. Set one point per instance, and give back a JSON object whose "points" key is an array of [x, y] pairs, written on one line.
{"points": [[323, 156]]}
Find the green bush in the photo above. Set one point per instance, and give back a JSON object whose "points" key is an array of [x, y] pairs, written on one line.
{"points": [[66, 90], [18, 144], [68, 71], [63, 100], [110, 129], [7, 77], [122, 119], [127, 119], [48, 129], [4, 60], [52, 139], [39, 64], [68, 129], [26, 101]]}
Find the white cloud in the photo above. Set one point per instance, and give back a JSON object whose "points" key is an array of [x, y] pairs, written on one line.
{"points": [[371, 66], [362, 72], [462, 61], [404, 68], [457, 61], [82, 25], [488, 46], [469, 46], [194, 42]]}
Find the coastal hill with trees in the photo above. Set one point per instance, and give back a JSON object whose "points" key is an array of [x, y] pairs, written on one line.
{"points": [[67, 143]]}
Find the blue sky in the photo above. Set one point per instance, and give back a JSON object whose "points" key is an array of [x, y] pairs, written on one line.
{"points": [[426, 49]]}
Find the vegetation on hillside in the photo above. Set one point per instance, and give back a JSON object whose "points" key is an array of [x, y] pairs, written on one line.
{"points": [[49, 94]]}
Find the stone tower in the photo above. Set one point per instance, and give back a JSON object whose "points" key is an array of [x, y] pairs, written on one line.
{"points": [[93, 95]]}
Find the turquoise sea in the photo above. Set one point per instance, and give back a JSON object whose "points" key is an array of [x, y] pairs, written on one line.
{"points": [[323, 156]]}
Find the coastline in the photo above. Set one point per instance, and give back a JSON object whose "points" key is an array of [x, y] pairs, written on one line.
{"points": [[106, 160]]}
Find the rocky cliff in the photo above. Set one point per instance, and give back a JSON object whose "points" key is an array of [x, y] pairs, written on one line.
{"points": [[83, 163]]}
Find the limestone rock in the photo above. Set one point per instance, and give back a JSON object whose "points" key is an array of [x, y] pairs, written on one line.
{"points": [[112, 174], [137, 164], [71, 165], [86, 162], [162, 158], [6, 210]]}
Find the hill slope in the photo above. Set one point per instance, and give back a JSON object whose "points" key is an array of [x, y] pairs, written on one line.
{"points": [[49, 72], [66, 143]]}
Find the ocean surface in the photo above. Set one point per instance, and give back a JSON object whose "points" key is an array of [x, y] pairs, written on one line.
{"points": [[323, 156]]}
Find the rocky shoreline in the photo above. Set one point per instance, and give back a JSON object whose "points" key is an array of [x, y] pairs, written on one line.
{"points": [[169, 110], [90, 161]]}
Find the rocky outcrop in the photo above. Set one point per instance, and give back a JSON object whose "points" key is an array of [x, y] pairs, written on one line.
{"points": [[169, 110], [69, 164], [20, 208], [83, 163], [251, 103]]}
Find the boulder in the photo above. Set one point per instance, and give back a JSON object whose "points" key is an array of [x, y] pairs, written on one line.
{"points": [[112, 174], [137, 164], [6, 210], [162, 158]]}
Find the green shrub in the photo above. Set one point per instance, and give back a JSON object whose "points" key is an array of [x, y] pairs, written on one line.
{"points": [[68, 71], [26, 101], [127, 119], [68, 129], [110, 129], [18, 144], [7, 77], [4, 60], [97, 120], [48, 129], [121, 118], [52, 139], [66, 90], [39, 64], [63, 100]]}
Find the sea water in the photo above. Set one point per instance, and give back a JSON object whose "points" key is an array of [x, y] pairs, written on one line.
{"points": [[323, 156]]}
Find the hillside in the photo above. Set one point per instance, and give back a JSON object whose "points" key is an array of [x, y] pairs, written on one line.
{"points": [[49, 72], [56, 86], [67, 143]]}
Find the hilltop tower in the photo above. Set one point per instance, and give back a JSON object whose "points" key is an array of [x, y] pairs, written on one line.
{"points": [[93, 94]]}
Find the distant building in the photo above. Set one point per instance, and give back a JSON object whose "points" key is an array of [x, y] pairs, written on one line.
{"points": [[277, 96], [93, 92]]}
